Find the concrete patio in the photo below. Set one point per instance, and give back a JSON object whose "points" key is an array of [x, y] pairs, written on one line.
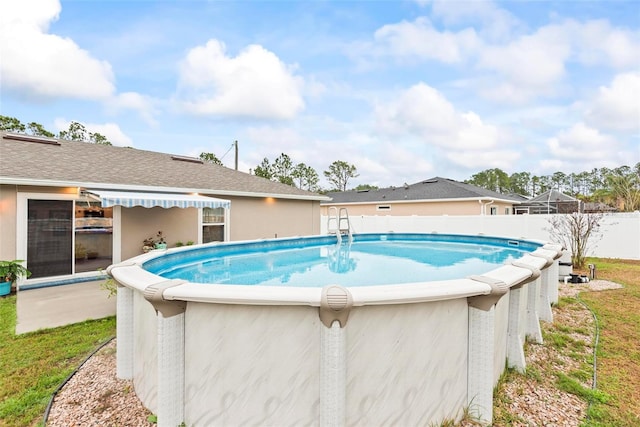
{"points": [[62, 305]]}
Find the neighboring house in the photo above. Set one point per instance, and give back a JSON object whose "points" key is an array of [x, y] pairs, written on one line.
{"points": [[550, 202], [435, 196], [598, 207], [70, 208]]}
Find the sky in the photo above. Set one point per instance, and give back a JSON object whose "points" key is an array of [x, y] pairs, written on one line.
{"points": [[402, 90]]}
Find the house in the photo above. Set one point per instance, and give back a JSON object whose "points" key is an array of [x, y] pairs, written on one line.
{"points": [[70, 208], [550, 202], [435, 196]]}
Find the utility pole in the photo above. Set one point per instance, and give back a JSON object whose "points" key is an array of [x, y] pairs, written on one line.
{"points": [[236, 144]]}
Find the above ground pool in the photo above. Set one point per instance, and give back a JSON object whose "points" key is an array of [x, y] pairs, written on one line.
{"points": [[386, 329], [367, 260]]}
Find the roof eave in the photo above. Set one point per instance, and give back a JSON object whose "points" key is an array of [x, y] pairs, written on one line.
{"points": [[128, 187], [451, 199]]}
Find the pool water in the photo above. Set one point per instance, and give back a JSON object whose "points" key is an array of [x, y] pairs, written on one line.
{"points": [[366, 262]]}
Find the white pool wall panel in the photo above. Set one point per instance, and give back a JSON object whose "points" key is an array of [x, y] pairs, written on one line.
{"points": [[501, 316], [251, 365], [393, 377], [145, 362]]}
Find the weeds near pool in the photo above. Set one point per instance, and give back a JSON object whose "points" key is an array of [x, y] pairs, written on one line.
{"points": [[109, 284], [533, 373], [153, 419], [573, 386]]}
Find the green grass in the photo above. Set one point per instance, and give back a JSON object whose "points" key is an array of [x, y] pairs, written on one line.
{"points": [[618, 356], [33, 365]]}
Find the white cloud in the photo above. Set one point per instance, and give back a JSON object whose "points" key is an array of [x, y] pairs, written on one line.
{"points": [[617, 107], [111, 131], [582, 142], [253, 84], [497, 23], [37, 64], [424, 111], [598, 43], [534, 65], [529, 66], [511, 66], [462, 137], [420, 39], [135, 102], [502, 159]]}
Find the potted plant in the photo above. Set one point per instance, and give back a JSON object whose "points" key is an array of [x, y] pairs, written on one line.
{"points": [[160, 242], [151, 243], [10, 271]]}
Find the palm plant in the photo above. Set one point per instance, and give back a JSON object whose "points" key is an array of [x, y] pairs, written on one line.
{"points": [[10, 271]]}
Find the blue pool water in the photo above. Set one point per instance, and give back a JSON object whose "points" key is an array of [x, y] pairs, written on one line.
{"points": [[315, 262]]}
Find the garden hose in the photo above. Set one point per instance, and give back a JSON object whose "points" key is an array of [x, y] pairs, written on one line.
{"points": [[596, 341]]}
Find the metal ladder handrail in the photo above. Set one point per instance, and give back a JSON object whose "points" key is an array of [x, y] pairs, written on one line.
{"points": [[337, 216]]}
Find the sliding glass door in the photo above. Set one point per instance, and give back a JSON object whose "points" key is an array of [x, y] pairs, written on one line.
{"points": [[49, 237]]}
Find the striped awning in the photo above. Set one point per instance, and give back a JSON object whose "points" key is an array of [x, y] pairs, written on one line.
{"points": [[130, 199]]}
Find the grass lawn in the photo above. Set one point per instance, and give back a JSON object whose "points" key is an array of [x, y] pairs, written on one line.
{"points": [[33, 365], [618, 356]]}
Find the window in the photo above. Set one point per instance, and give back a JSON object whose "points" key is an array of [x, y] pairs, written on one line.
{"points": [[212, 225], [383, 207], [93, 248], [507, 211], [494, 210]]}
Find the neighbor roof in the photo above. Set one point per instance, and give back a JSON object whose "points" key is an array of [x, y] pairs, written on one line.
{"points": [[433, 189], [46, 161], [553, 196]]}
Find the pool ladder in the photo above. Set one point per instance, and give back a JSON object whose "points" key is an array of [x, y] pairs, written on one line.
{"points": [[338, 223]]}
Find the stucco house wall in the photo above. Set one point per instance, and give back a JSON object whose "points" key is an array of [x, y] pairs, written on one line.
{"points": [[444, 207], [267, 217], [138, 223], [7, 221]]}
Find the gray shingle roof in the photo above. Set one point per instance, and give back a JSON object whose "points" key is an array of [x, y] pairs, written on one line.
{"points": [[436, 188], [553, 196], [101, 166]]}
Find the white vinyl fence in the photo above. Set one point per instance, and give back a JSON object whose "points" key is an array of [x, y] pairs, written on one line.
{"points": [[619, 233]]}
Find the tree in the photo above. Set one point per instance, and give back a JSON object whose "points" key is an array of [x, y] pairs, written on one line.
{"points": [[624, 184], [78, 132], [339, 173], [282, 169], [306, 176], [365, 187], [492, 179], [520, 183], [264, 169], [576, 231], [11, 124], [38, 130], [559, 181], [98, 138], [210, 158]]}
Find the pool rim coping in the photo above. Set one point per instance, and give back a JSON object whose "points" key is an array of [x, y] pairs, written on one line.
{"points": [[492, 284]]}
